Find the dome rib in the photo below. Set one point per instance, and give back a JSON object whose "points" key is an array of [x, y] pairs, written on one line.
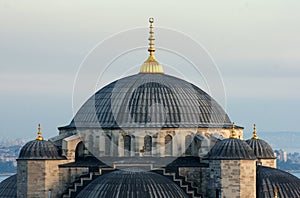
{"points": [[149, 100]]}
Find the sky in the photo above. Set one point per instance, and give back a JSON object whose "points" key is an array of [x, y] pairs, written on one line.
{"points": [[254, 44]]}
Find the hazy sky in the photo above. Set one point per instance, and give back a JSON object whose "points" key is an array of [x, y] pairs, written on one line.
{"points": [[256, 45]]}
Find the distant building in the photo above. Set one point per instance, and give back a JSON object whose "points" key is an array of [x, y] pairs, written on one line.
{"points": [[149, 135], [281, 155]]}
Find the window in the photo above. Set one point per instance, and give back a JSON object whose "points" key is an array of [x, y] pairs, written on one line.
{"points": [[168, 145], [148, 145], [107, 142], [188, 145], [127, 145]]}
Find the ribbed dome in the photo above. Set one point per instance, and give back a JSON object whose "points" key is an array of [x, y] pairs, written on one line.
{"points": [[262, 149], [8, 187], [267, 179], [150, 100], [125, 184], [39, 149], [231, 149]]}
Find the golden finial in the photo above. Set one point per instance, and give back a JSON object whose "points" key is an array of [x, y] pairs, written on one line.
{"points": [[233, 134], [275, 192], [151, 65], [39, 137], [255, 137]]}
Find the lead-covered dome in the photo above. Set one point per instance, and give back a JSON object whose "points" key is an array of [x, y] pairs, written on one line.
{"points": [[8, 187], [150, 100], [39, 149], [231, 149], [124, 184], [261, 148], [269, 180]]}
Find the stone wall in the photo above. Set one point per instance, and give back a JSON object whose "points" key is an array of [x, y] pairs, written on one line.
{"points": [[42, 178], [230, 174], [248, 178], [31, 179], [22, 178], [67, 176], [196, 176], [268, 162], [214, 176]]}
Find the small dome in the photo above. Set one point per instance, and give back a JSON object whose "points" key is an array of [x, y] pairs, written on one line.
{"points": [[261, 148], [123, 184], [39, 149], [269, 179], [8, 187], [231, 149]]}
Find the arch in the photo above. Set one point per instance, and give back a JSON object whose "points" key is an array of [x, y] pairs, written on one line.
{"points": [[148, 145], [188, 145], [168, 145], [79, 151], [107, 145], [127, 145]]}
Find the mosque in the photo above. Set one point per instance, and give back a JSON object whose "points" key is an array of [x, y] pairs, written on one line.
{"points": [[149, 135]]}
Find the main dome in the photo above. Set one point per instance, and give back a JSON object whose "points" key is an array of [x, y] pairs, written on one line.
{"points": [[150, 100]]}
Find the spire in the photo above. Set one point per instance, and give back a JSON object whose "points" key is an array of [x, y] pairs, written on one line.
{"points": [[233, 134], [151, 48], [151, 65], [255, 137], [39, 137]]}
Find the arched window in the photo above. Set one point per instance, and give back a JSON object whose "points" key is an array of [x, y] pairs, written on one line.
{"points": [[188, 145], [148, 145], [127, 145], [168, 145], [107, 142], [79, 152]]}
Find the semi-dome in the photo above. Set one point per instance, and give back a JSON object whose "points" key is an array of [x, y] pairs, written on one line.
{"points": [[231, 149], [150, 100], [39, 149], [8, 187], [261, 148], [271, 180], [124, 184]]}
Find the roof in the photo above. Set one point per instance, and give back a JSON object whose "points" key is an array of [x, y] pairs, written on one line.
{"points": [[261, 148], [267, 179], [231, 149], [149, 100], [8, 187], [132, 183], [39, 149]]}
